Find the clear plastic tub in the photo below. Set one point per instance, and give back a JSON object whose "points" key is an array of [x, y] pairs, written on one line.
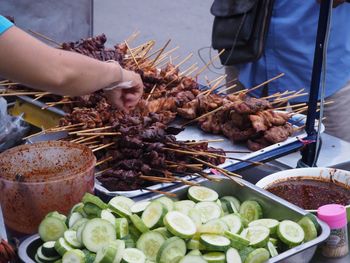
{"points": [[42, 177]]}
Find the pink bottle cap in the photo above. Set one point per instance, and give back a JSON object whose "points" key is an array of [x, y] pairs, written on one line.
{"points": [[334, 215]]}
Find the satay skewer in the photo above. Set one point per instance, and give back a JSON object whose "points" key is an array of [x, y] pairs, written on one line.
{"points": [[103, 147], [98, 133], [151, 92], [202, 116], [132, 55], [84, 139], [262, 84], [227, 89], [209, 63], [189, 70], [102, 171], [92, 129], [160, 53], [104, 160], [160, 192]]}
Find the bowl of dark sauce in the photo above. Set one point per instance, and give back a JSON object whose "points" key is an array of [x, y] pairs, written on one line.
{"points": [[310, 188]]}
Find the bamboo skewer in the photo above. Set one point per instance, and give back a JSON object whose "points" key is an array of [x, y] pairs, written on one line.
{"points": [[161, 192], [104, 160], [264, 83], [80, 140], [151, 93], [209, 63], [215, 86], [206, 141], [291, 106], [93, 129], [45, 37], [98, 133], [188, 69], [180, 63], [160, 53], [171, 59], [19, 93], [102, 171], [133, 36], [132, 55], [103, 146], [223, 171], [202, 116], [227, 89], [10, 84]]}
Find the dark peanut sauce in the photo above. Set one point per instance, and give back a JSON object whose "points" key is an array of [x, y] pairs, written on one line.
{"points": [[311, 194]]}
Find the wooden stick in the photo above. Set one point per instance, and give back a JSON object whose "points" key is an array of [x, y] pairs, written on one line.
{"points": [[10, 84], [85, 139], [132, 55], [104, 160], [209, 63], [188, 69], [133, 36], [291, 106], [45, 37], [38, 97], [19, 93], [161, 192], [151, 93], [90, 143], [264, 83], [164, 56], [98, 133], [156, 179], [103, 147], [160, 53], [102, 171], [228, 88], [222, 170], [210, 178], [180, 63], [202, 116], [206, 141], [215, 86], [93, 129]]}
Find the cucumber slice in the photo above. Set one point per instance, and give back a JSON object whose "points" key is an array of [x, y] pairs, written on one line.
{"points": [[62, 246], [167, 202], [244, 252], [234, 223], [172, 250], [73, 218], [149, 243], [129, 242], [194, 244], [215, 257], [57, 215], [234, 201], [74, 256], [89, 257], [133, 255], [122, 227], [192, 259], [251, 210], [202, 193], [179, 224], [271, 224], [232, 256], [37, 260], [44, 258], [77, 208], [237, 241], [89, 198], [121, 205], [258, 236], [106, 214], [71, 238], [51, 229], [208, 211], [313, 218], [79, 223], [120, 246], [48, 249], [309, 228], [97, 233], [134, 232], [139, 207], [290, 233], [80, 233], [195, 216], [92, 210], [228, 207], [164, 232], [215, 226], [106, 254], [195, 252], [272, 249], [215, 242], [138, 223], [259, 255], [184, 206], [274, 241], [153, 215]]}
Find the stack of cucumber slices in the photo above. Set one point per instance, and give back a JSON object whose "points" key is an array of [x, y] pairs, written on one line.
{"points": [[204, 228]]}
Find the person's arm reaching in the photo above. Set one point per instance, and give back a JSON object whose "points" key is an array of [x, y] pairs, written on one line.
{"points": [[27, 60]]}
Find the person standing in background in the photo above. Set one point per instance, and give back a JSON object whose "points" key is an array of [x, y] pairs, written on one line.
{"points": [[289, 48]]}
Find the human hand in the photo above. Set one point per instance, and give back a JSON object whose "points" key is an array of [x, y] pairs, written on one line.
{"points": [[126, 97], [335, 2]]}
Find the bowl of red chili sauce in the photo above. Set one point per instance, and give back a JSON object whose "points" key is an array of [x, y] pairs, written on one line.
{"points": [[310, 188]]}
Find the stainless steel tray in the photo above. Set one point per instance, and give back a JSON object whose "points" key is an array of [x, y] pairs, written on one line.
{"points": [[272, 205]]}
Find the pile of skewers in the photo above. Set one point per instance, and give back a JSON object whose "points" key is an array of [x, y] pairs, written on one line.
{"points": [[139, 147]]}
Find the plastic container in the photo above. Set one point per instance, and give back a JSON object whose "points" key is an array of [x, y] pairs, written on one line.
{"points": [[42, 177], [337, 243]]}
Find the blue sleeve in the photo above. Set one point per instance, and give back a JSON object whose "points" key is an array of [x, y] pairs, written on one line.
{"points": [[4, 24]]}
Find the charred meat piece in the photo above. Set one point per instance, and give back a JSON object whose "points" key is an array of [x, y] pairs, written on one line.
{"points": [[278, 133], [235, 134], [263, 120]]}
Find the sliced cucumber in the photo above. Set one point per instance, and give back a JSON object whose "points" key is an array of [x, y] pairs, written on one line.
{"points": [[259, 255], [133, 255], [195, 252], [79, 223], [244, 252], [215, 242], [138, 223], [74, 256], [48, 249], [202, 193], [251, 210], [122, 227], [57, 215], [74, 218], [290, 233], [179, 224], [149, 243], [309, 228], [169, 203], [106, 254], [153, 215], [163, 231], [237, 241], [234, 201], [271, 224], [228, 207], [77, 208], [134, 232], [80, 233], [184, 206], [93, 199], [195, 216], [44, 258], [208, 211], [98, 233], [92, 210], [71, 238], [120, 246], [274, 241], [37, 260], [258, 236], [215, 257], [232, 256], [129, 242], [234, 223], [172, 250], [272, 249], [139, 207], [107, 215], [62, 246], [121, 205], [194, 244], [215, 226], [51, 229], [89, 257], [192, 259]]}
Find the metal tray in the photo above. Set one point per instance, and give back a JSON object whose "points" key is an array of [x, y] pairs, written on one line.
{"points": [[273, 207]]}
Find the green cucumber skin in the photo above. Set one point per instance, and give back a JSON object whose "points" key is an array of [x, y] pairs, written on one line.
{"points": [[46, 226]]}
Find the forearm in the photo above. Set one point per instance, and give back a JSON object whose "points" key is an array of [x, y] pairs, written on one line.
{"points": [[26, 60]]}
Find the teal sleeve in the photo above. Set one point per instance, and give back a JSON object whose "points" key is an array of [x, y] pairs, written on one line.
{"points": [[4, 24]]}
